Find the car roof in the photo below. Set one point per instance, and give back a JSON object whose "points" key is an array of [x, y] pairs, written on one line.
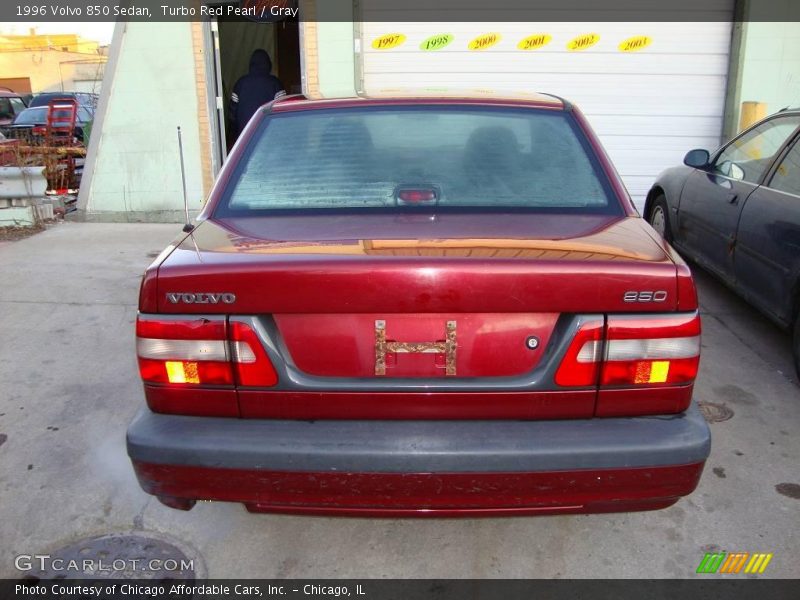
{"points": [[39, 99], [409, 97], [44, 108], [9, 94]]}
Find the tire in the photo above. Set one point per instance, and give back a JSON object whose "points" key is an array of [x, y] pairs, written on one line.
{"points": [[796, 345], [658, 217]]}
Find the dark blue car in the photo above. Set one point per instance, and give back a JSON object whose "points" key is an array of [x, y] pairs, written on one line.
{"points": [[736, 212]]}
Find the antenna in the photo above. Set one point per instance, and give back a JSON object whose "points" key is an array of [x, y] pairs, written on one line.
{"points": [[188, 226]]}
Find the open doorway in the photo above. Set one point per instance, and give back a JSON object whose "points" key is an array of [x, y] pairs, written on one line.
{"points": [[234, 40]]}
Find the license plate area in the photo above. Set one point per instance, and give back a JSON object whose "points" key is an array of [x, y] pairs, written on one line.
{"points": [[446, 348], [344, 344]]}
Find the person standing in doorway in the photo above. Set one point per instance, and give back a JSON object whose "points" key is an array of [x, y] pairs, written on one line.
{"points": [[256, 88]]}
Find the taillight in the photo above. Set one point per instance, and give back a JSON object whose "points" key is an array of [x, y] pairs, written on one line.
{"points": [[656, 354], [192, 365], [580, 366], [252, 365], [651, 350], [185, 352]]}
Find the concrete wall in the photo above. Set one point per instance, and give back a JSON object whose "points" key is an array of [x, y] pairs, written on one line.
{"points": [[329, 67], [133, 168], [769, 64], [336, 59]]}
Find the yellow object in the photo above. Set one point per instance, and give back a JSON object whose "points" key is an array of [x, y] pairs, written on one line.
{"points": [[182, 372], [758, 563], [659, 371], [582, 42], [752, 112], [388, 41], [535, 41], [66, 42], [482, 42], [635, 43]]}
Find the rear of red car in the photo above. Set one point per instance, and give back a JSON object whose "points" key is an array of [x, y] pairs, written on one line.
{"points": [[419, 307]]}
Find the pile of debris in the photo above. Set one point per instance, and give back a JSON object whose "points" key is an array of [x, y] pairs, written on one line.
{"points": [[40, 176]]}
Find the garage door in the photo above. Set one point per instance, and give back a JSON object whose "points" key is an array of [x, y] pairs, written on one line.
{"points": [[651, 91]]}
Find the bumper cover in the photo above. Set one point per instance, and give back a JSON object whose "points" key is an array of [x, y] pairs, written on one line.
{"points": [[421, 467]]}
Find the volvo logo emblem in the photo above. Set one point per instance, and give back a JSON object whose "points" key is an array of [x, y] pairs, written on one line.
{"points": [[201, 298]]}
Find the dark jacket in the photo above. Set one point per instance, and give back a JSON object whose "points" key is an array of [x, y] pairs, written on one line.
{"points": [[253, 90]]}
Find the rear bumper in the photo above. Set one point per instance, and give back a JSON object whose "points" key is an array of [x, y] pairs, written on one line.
{"points": [[418, 468]]}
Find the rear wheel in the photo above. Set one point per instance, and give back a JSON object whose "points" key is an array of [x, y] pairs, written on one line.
{"points": [[659, 217]]}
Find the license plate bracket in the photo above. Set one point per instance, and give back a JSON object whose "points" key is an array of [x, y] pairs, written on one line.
{"points": [[447, 347]]}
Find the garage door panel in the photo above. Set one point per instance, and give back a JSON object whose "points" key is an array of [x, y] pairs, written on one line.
{"points": [[638, 187], [651, 161], [648, 107], [544, 62], [657, 125], [592, 92], [688, 38]]}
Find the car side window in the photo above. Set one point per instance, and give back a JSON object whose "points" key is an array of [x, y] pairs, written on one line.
{"points": [[748, 158], [6, 112], [18, 105], [787, 175]]}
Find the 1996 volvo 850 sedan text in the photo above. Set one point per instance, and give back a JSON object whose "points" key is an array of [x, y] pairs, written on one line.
{"points": [[419, 306]]}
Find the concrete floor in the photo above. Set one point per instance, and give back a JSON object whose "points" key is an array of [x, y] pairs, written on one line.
{"points": [[69, 387]]}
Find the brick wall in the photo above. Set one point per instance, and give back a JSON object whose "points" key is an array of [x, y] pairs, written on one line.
{"points": [[206, 140]]}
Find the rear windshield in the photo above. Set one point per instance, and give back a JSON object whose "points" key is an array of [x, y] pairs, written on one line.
{"points": [[32, 116], [420, 157], [44, 99]]}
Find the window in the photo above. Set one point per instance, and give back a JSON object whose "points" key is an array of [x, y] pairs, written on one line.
{"points": [[18, 105], [748, 157], [453, 157], [6, 112], [32, 116], [787, 175]]}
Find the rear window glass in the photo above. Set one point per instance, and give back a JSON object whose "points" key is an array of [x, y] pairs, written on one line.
{"points": [[389, 158], [31, 116]]}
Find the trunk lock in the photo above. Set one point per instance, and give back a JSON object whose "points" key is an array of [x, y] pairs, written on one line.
{"points": [[446, 347]]}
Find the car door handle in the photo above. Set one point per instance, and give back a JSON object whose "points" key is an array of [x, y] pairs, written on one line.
{"points": [[733, 198]]}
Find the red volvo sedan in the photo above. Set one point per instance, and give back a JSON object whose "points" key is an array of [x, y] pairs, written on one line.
{"points": [[419, 306]]}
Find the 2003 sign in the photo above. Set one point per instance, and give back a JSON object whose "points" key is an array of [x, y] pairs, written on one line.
{"points": [[635, 43]]}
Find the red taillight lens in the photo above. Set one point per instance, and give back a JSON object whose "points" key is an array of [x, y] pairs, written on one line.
{"points": [[201, 352], [581, 364], [185, 372], [183, 352], [635, 351], [658, 350], [251, 363]]}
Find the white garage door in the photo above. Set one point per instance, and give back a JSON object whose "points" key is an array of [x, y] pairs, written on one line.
{"points": [[651, 91]]}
